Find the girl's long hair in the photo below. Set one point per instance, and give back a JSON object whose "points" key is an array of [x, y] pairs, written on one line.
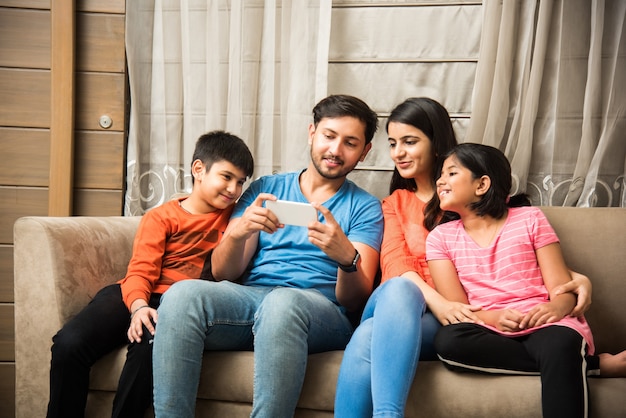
{"points": [[484, 160]]}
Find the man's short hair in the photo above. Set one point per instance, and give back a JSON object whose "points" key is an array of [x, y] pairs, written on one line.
{"points": [[341, 105]]}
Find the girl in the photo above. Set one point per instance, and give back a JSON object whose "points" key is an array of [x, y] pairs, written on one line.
{"points": [[508, 261]]}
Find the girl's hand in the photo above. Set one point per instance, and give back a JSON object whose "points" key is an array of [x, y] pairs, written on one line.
{"points": [[509, 320], [544, 313], [144, 315], [448, 312]]}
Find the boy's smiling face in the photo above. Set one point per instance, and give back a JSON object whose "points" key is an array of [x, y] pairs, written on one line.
{"points": [[221, 185]]}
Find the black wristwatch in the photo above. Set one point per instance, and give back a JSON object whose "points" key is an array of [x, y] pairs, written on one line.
{"points": [[351, 268]]}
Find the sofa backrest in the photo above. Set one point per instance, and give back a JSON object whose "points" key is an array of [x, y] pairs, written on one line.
{"points": [[92, 252], [593, 241], [79, 255]]}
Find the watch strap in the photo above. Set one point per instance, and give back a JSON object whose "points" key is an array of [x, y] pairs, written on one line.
{"points": [[351, 268]]}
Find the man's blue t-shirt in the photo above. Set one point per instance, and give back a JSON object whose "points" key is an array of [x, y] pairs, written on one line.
{"points": [[287, 258]]}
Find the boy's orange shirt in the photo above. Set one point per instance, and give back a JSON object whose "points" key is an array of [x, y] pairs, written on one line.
{"points": [[170, 245]]}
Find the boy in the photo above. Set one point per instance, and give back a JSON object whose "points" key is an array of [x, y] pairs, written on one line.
{"points": [[173, 243]]}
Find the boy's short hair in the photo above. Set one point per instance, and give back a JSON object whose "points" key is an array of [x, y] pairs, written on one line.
{"points": [[341, 105], [216, 146]]}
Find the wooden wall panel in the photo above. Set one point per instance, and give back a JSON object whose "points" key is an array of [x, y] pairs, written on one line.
{"points": [[100, 42], [100, 94], [27, 4], [97, 160], [25, 98], [24, 38], [7, 390], [25, 157], [16, 202], [6, 274], [98, 202], [7, 333], [109, 6], [25, 130]]}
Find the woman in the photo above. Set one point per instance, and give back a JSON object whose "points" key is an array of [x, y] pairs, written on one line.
{"points": [[402, 316]]}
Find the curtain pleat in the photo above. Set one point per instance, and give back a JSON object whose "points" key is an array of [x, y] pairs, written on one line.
{"points": [[550, 92]]}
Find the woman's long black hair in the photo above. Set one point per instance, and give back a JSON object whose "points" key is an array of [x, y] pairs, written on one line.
{"points": [[433, 119]]}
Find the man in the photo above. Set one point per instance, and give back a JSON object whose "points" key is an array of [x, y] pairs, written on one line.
{"points": [[297, 283]]}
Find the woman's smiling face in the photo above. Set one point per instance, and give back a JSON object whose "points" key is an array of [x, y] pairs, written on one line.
{"points": [[410, 149]]}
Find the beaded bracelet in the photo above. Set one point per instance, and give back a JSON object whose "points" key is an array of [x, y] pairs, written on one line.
{"points": [[135, 311]]}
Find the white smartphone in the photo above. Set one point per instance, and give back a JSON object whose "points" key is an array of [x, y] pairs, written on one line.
{"points": [[292, 213]]}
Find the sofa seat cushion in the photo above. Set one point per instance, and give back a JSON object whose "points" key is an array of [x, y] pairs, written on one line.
{"points": [[234, 372], [436, 391]]}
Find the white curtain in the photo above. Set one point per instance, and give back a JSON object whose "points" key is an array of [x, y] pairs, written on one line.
{"points": [[252, 67], [550, 91], [549, 87]]}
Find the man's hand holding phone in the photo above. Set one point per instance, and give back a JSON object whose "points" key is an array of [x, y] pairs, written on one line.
{"points": [[292, 213], [255, 218]]}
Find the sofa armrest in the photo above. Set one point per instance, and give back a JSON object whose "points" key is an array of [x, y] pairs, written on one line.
{"points": [[60, 263]]}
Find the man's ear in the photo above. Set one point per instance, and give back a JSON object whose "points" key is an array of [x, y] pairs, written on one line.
{"points": [[311, 133], [367, 149], [484, 183]]}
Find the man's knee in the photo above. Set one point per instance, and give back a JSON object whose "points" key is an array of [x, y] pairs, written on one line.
{"points": [[183, 298]]}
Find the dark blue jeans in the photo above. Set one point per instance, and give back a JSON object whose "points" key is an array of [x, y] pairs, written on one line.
{"points": [[94, 332]]}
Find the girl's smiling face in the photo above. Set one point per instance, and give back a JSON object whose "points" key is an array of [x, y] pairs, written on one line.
{"points": [[457, 187]]}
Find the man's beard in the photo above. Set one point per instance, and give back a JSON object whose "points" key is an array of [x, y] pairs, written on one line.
{"points": [[341, 171]]}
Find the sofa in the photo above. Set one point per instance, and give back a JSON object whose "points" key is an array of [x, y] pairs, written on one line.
{"points": [[60, 263]]}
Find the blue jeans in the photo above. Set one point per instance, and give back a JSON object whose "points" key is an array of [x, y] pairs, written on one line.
{"points": [[282, 325], [379, 363]]}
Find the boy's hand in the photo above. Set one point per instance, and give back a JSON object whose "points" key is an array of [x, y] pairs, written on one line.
{"points": [[330, 238], [143, 316], [256, 218]]}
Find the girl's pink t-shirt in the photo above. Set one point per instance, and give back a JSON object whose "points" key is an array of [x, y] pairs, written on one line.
{"points": [[506, 274]]}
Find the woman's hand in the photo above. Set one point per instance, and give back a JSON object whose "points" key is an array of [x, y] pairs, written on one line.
{"points": [[455, 312], [580, 285]]}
